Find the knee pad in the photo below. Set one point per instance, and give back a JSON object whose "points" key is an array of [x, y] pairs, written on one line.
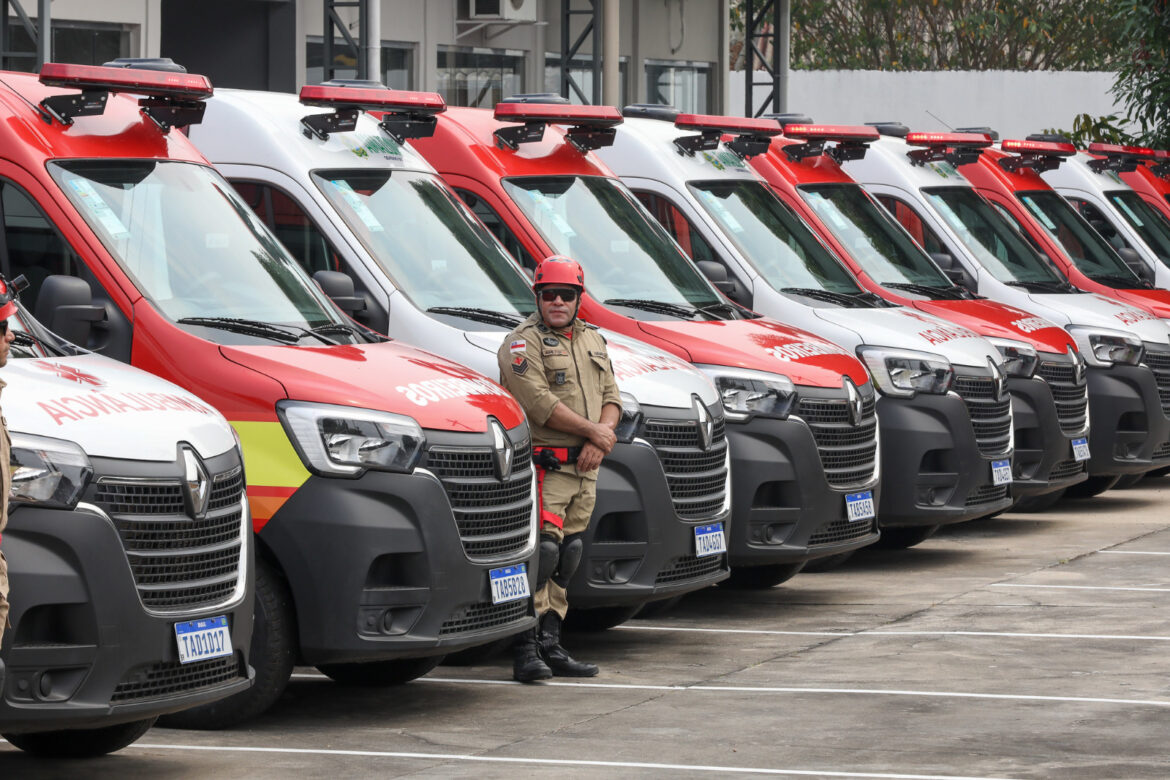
{"points": [[572, 549], [548, 556]]}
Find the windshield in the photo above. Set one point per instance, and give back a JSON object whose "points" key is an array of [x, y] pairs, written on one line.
{"points": [[190, 245], [1148, 223], [429, 243], [1086, 248], [771, 237], [989, 237], [879, 245], [626, 254]]}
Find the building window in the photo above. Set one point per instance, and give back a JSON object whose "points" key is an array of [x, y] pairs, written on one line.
{"points": [[397, 62], [581, 69], [479, 77], [684, 85], [81, 43]]}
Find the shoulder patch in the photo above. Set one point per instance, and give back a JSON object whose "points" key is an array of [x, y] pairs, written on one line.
{"points": [[519, 365], [551, 341], [519, 345], [542, 327]]}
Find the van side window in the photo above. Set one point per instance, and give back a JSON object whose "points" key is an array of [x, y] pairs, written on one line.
{"points": [[1099, 222], [908, 218], [292, 226], [32, 245], [1015, 223], [679, 227], [493, 223]]}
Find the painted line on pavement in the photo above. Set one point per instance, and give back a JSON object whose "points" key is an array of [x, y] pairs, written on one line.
{"points": [[881, 632], [1076, 587], [561, 762], [1132, 552]]}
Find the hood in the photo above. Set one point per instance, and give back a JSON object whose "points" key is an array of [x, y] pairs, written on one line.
{"points": [[999, 320], [908, 329], [110, 409], [1156, 301], [654, 377], [1097, 310], [389, 376], [761, 345]]}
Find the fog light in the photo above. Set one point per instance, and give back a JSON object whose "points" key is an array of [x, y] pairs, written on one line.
{"points": [[45, 685], [387, 621]]}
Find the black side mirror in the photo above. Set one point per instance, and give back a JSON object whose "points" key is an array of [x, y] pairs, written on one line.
{"points": [[339, 287], [1136, 264], [717, 275], [953, 271], [65, 306]]}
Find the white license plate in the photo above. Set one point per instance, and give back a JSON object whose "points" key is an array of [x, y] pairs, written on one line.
{"points": [[202, 639], [509, 583], [709, 540], [859, 506], [1080, 449], [1001, 472]]}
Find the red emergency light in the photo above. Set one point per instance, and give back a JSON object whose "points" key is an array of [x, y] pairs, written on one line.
{"points": [[833, 132], [752, 136], [590, 127], [954, 148], [852, 141], [1117, 150], [1118, 158], [1038, 156], [170, 98], [1017, 146], [404, 114]]}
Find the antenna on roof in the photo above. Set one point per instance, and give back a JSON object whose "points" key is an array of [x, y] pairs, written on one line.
{"points": [[937, 119]]}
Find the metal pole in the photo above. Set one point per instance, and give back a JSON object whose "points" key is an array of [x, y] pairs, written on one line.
{"points": [[372, 40], [611, 94], [749, 61], [783, 49], [44, 34]]}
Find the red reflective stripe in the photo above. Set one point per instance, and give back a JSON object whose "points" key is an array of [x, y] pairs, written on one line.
{"points": [[545, 515]]}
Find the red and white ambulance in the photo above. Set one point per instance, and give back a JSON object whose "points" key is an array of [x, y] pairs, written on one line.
{"points": [[1151, 180]]}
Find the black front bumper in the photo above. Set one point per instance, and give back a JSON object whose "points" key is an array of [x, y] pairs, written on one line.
{"points": [[83, 652], [1042, 460], [933, 472], [1129, 427]]}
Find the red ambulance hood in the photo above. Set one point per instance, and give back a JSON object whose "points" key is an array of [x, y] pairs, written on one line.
{"points": [[1156, 301], [999, 320], [392, 377]]}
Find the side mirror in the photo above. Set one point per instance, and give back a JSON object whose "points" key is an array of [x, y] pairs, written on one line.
{"points": [[339, 287], [1135, 263], [715, 272], [952, 270], [65, 306]]}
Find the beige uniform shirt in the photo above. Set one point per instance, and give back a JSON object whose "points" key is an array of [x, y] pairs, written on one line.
{"points": [[542, 367], [5, 484]]}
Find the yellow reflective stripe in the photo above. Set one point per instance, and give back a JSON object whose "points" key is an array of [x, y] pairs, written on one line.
{"points": [[269, 457]]}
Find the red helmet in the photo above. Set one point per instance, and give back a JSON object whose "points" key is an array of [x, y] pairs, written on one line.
{"points": [[558, 269], [8, 293]]}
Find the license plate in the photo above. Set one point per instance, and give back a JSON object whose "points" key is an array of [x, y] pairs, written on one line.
{"points": [[859, 506], [1001, 472], [709, 540], [199, 640], [1080, 449], [509, 583]]}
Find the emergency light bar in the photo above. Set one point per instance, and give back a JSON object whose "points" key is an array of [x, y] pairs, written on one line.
{"points": [[1118, 158], [852, 141], [1039, 156], [1161, 163], [590, 127], [955, 148], [170, 98], [404, 114], [752, 136]]}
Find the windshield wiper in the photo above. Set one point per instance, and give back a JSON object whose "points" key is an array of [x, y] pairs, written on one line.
{"points": [[1120, 282], [952, 293], [23, 339], [848, 300], [361, 334], [723, 306], [660, 307], [479, 315], [256, 328], [1044, 286]]}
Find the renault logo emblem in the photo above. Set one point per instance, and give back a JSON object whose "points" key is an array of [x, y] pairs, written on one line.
{"points": [[706, 424], [856, 406], [502, 450], [997, 379], [1078, 361], [196, 482]]}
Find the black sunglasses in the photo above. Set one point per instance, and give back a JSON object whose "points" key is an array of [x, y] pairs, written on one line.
{"points": [[566, 294]]}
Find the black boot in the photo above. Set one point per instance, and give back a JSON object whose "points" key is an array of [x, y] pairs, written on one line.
{"points": [[557, 657], [526, 663]]}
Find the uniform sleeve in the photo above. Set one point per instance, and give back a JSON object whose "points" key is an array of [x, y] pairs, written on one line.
{"points": [[610, 394], [522, 374]]}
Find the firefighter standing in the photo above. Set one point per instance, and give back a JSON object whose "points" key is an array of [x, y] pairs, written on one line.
{"points": [[558, 369], [7, 309]]}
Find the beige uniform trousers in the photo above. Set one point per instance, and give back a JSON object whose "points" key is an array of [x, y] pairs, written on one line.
{"points": [[566, 494]]}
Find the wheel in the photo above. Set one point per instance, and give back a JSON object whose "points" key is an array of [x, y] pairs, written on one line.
{"points": [[380, 673], [479, 654], [657, 608], [1092, 486], [1128, 481], [1038, 503], [599, 619], [81, 743], [760, 577], [272, 654], [902, 537], [828, 563]]}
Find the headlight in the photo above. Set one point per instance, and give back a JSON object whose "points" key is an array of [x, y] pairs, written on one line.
{"points": [[1103, 347], [631, 420], [748, 393], [344, 441], [47, 472], [903, 372], [1019, 359]]}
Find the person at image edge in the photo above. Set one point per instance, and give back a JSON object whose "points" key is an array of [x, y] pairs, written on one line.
{"points": [[7, 309]]}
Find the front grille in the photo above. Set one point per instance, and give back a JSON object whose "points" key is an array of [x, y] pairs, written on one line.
{"points": [[482, 616], [690, 567], [179, 563], [991, 418], [697, 478], [494, 518], [1072, 399], [848, 452], [1159, 363], [841, 530], [1066, 469], [155, 681], [1162, 451], [987, 494]]}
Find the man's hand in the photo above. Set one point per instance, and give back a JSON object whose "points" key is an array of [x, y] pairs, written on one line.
{"points": [[590, 457], [602, 437]]}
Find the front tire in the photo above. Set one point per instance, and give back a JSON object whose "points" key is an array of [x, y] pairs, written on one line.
{"points": [[81, 743], [904, 537], [1039, 503], [761, 577], [828, 563], [380, 674], [1093, 486]]}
